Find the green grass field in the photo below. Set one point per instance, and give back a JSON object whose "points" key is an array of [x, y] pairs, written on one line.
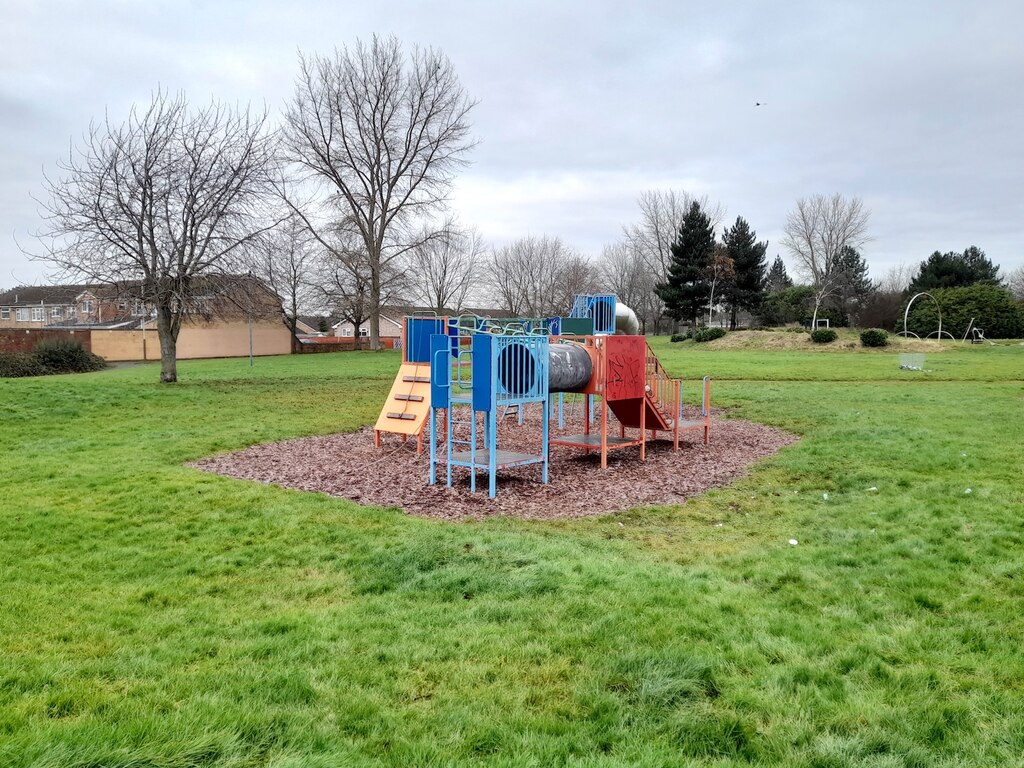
{"points": [[152, 615]]}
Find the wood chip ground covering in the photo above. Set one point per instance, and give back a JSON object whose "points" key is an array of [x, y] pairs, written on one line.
{"points": [[348, 466]]}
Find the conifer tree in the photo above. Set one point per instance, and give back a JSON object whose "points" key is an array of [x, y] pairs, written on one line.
{"points": [[746, 289], [687, 289], [853, 286], [778, 278]]}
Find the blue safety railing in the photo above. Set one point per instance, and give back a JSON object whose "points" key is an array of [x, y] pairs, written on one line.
{"points": [[492, 372]]}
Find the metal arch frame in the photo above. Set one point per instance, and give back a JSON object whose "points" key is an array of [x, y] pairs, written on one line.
{"points": [[906, 314]]}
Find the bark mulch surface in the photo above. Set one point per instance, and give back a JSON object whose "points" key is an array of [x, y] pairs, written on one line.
{"points": [[348, 466]]}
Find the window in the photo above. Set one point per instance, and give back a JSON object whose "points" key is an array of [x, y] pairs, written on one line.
{"points": [[122, 306], [5, 313], [72, 311], [364, 332], [87, 306], [38, 314], [55, 312], [22, 315], [346, 331]]}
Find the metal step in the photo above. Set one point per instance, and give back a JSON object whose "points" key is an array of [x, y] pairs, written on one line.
{"points": [[404, 416], [416, 379], [410, 398]]}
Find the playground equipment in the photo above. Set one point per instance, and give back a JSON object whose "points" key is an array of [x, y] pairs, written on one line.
{"points": [[461, 375], [938, 309]]}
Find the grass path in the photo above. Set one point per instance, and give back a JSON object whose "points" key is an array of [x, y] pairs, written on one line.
{"points": [[152, 615]]}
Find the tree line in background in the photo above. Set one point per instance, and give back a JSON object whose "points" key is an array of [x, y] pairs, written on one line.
{"points": [[342, 210]]}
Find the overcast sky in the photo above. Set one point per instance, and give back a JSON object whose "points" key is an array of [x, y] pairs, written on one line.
{"points": [[916, 107]]}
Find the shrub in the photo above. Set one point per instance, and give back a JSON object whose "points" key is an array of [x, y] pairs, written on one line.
{"points": [[991, 306], [679, 337], [66, 356], [874, 337], [785, 306], [823, 336], [708, 334], [14, 365]]}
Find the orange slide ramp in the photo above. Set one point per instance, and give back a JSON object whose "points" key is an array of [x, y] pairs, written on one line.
{"points": [[406, 410], [628, 413]]}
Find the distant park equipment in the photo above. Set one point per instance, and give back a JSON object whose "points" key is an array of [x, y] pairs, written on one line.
{"points": [[460, 375], [906, 313]]}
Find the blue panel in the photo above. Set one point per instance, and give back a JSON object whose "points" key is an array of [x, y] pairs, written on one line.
{"points": [[602, 309], [554, 326], [440, 371], [418, 331], [482, 383]]}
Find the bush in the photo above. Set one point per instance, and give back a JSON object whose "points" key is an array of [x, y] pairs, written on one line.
{"points": [[785, 306], [991, 306], [679, 337], [874, 337], [708, 334], [823, 336], [66, 356], [14, 365]]}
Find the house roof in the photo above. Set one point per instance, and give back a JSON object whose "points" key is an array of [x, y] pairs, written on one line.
{"points": [[36, 295]]}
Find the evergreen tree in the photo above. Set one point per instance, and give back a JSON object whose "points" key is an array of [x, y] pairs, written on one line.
{"points": [[687, 289], [955, 270], [778, 279], [746, 289], [853, 286]]}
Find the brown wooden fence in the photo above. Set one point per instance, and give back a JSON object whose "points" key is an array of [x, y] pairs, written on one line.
{"points": [[26, 339]]}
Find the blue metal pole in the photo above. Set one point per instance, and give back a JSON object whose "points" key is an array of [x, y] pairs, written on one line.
{"points": [[433, 446]]}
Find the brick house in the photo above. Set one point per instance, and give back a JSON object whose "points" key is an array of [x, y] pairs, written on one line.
{"points": [[124, 328]]}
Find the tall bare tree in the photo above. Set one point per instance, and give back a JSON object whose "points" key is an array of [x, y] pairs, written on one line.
{"points": [[386, 133], [625, 273], [538, 276], [285, 260], [446, 267], [817, 231], [162, 207]]}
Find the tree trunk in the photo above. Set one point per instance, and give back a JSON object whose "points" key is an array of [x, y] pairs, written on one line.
{"points": [[374, 306], [168, 346]]}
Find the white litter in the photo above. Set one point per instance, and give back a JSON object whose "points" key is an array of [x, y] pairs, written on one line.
{"points": [[824, 496], [968, 490], [718, 525], [873, 488], [793, 542]]}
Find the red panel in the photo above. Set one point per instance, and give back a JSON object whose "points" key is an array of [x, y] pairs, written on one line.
{"points": [[626, 367]]}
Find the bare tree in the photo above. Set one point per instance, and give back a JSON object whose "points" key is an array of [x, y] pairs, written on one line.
{"points": [[342, 276], [721, 271], [817, 231], [624, 272], [896, 278], [538, 276], [1015, 281], [285, 260], [446, 267], [386, 134], [162, 207], [819, 228]]}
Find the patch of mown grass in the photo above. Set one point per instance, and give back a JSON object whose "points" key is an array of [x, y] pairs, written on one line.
{"points": [[155, 615]]}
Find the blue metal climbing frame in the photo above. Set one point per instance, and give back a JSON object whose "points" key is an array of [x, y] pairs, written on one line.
{"points": [[600, 307], [491, 372]]}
